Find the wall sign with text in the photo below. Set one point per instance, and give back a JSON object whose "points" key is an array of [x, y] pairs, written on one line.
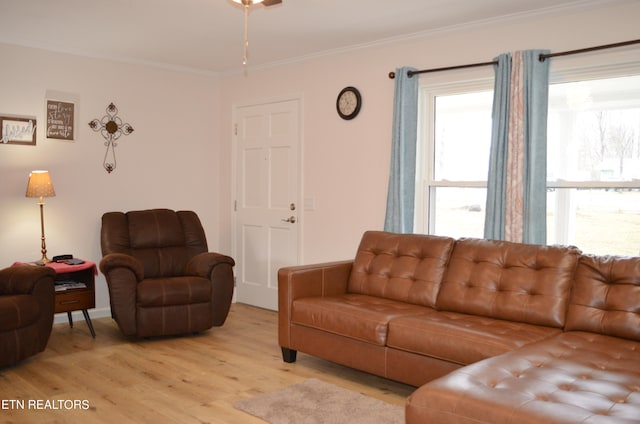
{"points": [[18, 130], [60, 120]]}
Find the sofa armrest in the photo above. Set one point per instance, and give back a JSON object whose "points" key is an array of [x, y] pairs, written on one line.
{"points": [[295, 282], [325, 279]]}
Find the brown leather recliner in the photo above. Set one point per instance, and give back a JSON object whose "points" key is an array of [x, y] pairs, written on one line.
{"points": [[162, 279], [26, 311]]}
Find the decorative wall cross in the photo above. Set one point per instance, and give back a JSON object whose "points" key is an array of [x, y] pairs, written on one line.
{"points": [[111, 127]]}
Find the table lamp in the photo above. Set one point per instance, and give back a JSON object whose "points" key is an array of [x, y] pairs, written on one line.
{"points": [[39, 185]]}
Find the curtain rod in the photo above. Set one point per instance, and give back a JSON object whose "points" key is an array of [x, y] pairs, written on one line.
{"points": [[541, 58]]}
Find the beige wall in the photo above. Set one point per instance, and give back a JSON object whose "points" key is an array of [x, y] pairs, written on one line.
{"points": [[170, 160], [180, 153], [346, 162]]}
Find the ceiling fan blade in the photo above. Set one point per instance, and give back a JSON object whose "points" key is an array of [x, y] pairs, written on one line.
{"points": [[271, 2]]}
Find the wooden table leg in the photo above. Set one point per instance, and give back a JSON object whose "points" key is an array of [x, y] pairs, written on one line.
{"points": [[87, 318]]}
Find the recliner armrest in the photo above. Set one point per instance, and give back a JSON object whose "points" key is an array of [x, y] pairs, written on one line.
{"points": [[123, 273], [219, 269], [121, 260], [203, 264], [23, 279]]}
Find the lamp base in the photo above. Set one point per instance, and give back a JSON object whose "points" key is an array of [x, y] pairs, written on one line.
{"points": [[42, 261], [43, 244]]}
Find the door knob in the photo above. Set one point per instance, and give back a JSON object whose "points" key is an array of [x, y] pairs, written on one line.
{"points": [[291, 219]]}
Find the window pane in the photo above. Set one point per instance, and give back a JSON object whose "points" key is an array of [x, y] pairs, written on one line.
{"points": [[594, 130], [462, 136], [594, 138], [598, 221], [459, 211]]}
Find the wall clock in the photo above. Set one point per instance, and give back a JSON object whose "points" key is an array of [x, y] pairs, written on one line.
{"points": [[348, 103]]}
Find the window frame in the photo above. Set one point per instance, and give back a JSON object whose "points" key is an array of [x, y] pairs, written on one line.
{"points": [[426, 184]]}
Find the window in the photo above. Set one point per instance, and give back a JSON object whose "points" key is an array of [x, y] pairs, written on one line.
{"points": [[456, 139], [593, 165]]}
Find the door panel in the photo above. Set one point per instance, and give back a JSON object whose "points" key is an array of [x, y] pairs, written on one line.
{"points": [[266, 229]]}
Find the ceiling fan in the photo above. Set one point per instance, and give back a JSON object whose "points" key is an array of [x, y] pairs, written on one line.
{"points": [[252, 2], [246, 4]]}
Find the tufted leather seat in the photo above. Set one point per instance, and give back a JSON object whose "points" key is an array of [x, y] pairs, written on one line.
{"points": [[573, 377], [26, 311], [336, 315], [462, 338], [162, 281]]}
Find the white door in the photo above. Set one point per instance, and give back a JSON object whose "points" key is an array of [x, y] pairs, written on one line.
{"points": [[266, 205]]}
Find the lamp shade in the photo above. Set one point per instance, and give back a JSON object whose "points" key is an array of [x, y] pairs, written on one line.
{"points": [[40, 185]]}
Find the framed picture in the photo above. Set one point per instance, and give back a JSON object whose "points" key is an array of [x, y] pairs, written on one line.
{"points": [[60, 120], [18, 130]]}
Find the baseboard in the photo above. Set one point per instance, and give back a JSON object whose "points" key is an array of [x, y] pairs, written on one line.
{"points": [[93, 313], [78, 317]]}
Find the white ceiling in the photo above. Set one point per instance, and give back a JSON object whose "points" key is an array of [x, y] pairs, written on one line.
{"points": [[206, 35]]}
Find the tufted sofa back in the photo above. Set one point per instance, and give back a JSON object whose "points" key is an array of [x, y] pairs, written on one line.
{"points": [[511, 281], [403, 267], [606, 297], [555, 286], [161, 239]]}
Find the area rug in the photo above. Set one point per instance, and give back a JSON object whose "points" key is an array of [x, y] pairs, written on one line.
{"points": [[316, 402]]}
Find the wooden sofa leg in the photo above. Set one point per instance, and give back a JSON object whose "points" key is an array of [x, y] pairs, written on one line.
{"points": [[288, 355]]}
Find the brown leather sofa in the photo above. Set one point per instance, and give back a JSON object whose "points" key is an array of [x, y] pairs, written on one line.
{"points": [[493, 332], [162, 280], [26, 311]]}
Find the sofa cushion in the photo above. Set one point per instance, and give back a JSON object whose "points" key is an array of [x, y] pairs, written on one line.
{"points": [[404, 267], [572, 377], [18, 311], [357, 316], [461, 338], [510, 281], [606, 296]]}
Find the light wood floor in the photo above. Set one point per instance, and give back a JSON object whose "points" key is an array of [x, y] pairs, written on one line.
{"points": [[191, 379]]}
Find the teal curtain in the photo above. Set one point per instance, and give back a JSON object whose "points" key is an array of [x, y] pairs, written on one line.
{"points": [[402, 175], [496, 182], [536, 106], [518, 150]]}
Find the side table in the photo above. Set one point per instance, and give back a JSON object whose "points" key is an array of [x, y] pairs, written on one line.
{"points": [[75, 299]]}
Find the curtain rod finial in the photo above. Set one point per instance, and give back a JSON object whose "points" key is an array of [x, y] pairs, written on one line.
{"points": [[392, 75]]}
